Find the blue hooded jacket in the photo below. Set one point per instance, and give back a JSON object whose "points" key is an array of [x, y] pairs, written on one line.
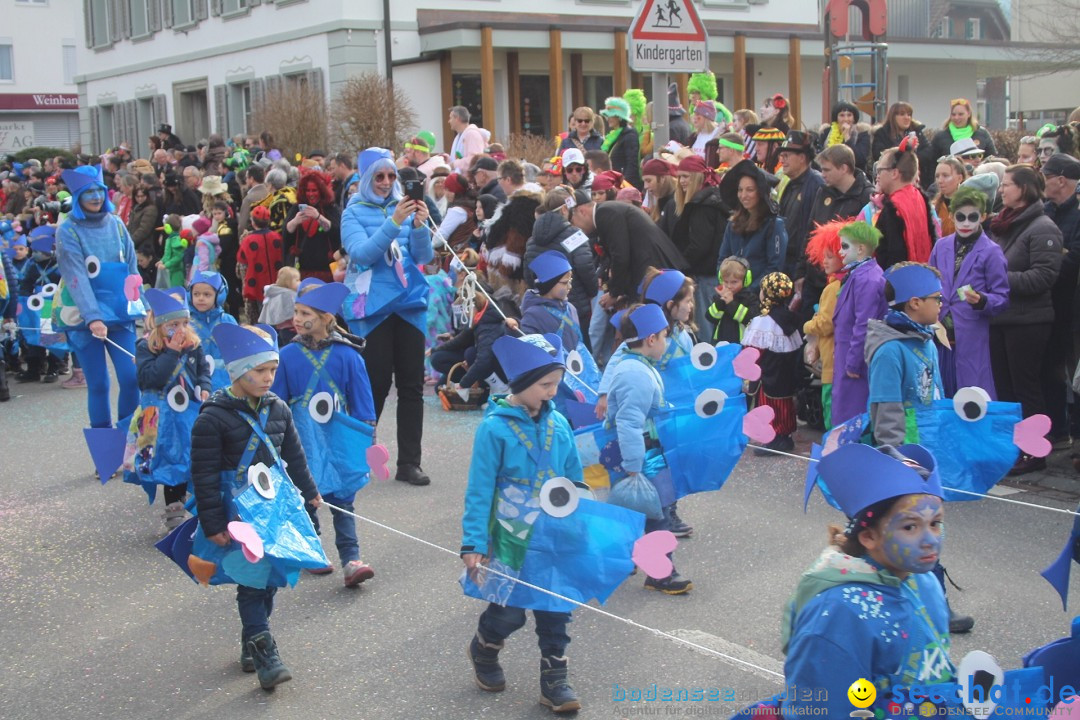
{"points": [[204, 323], [383, 257], [635, 393]]}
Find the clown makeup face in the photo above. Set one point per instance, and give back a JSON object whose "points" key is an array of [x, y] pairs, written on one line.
{"points": [[851, 251], [968, 221], [908, 539]]}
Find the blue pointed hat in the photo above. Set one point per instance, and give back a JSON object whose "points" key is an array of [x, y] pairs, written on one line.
{"points": [[43, 231], [20, 240], [82, 177], [213, 279], [648, 320], [665, 286], [1060, 659], [549, 265], [242, 349], [43, 242], [322, 296], [1058, 572], [166, 306], [521, 355], [858, 475], [912, 281], [367, 158]]}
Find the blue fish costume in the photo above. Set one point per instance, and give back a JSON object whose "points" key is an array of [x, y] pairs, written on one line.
{"points": [[159, 436], [205, 322], [523, 509], [36, 302], [334, 413], [256, 493]]}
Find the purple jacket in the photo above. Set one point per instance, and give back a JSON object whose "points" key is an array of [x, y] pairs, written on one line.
{"points": [[985, 270], [862, 298]]}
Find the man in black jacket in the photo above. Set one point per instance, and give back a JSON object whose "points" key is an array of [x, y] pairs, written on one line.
{"points": [[797, 198], [845, 192]]}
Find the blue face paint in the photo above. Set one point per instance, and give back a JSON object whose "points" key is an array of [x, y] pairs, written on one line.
{"points": [[913, 533]]}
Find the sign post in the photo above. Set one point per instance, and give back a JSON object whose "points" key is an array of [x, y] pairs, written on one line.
{"points": [[666, 36]]}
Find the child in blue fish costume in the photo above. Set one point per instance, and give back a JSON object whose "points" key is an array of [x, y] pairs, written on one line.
{"points": [[206, 297], [523, 515], [247, 462], [174, 378], [635, 398], [674, 293], [323, 379], [37, 284]]}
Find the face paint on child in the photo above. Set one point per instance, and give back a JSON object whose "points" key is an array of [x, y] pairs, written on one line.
{"points": [[911, 538], [967, 220], [849, 250]]}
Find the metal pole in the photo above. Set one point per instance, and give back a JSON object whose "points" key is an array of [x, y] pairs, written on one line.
{"points": [[388, 54], [659, 93]]}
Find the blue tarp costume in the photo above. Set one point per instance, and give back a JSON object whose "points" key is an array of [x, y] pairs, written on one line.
{"points": [[204, 323]]}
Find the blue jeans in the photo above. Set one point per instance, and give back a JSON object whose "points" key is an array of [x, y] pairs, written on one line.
{"points": [[91, 354], [497, 623], [255, 606], [703, 293], [345, 539], [601, 334]]}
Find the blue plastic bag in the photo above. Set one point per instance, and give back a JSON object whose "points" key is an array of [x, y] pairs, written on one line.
{"points": [[636, 492]]}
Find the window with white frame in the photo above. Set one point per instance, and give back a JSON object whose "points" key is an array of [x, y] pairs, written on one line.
{"points": [[68, 49], [239, 104], [973, 29], [183, 12], [31, 2], [7, 69], [233, 6], [140, 17], [99, 22]]}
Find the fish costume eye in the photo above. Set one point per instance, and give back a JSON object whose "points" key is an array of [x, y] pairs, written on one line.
{"points": [[709, 403], [178, 399], [574, 363], [703, 356], [35, 302], [558, 497], [321, 407], [93, 266], [971, 403]]}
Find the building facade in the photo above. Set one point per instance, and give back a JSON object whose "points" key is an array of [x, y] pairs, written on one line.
{"points": [[202, 65], [39, 105]]}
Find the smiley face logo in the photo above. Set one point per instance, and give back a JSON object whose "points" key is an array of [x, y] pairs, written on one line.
{"points": [[862, 693]]}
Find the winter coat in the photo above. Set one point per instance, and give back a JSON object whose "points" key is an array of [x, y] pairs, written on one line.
{"points": [[467, 143], [104, 237], [1067, 217], [904, 375], [279, 305], [153, 370], [635, 393], [499, 454], [173, 259], [370, 237], [1033, 252], [733, 317], [883, 139], [765, 249], [849, 618], [203, 323], [314, 253], [699, 231], [796, 207], [679, 129], [218, 440], [893, 247], [508, 234], [184, 204], [537, 317], [821, 327], [625, 156], [984, 269], [485, 330], [631, 243], [261, 255], [858, 139], [252, 197], [344, 365], [943, 140], [552, 232], [593, 142], [207, 249], [142, 223], [861, 299]]}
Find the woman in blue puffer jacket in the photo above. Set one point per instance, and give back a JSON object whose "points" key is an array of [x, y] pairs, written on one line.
{"points": [[386, 237], [101, 293]]}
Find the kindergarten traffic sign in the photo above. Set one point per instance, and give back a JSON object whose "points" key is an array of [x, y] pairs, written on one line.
{"points": [[667, 36]]}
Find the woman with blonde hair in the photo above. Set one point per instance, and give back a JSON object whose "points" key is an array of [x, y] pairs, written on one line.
{"points": [[961, 125], [950, 173], [698, 229]]}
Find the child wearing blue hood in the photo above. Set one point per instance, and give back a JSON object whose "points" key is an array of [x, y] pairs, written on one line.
{"points": [[386, 237], [99, 269], [521, 443], [40, 272], [206, 296]]}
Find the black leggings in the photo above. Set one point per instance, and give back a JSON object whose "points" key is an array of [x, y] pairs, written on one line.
{"points": [[174, 493], [1016, 358], [394, 355]]}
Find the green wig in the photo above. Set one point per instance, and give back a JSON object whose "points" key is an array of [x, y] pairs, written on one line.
{"points": [[968, 196], [862, 233], [637, 100], [722, 113], [704, 83]]}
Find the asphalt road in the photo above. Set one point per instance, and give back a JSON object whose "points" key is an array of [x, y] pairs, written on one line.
{"points": [[95, 623]]}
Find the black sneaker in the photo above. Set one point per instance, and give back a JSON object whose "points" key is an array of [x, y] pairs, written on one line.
{"points": [[783, 443], [1027, 464], [247, 662], [413, 475], [28, 376], [679, 528], [50, 377], [960, 623], [673, 585]]}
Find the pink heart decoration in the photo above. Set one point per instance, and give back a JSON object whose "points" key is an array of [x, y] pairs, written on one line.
{"points": [[377, 458], [579, 396], [745, 364], [1067, 708], [132, 287], [249, 540], [757, 425], [650, 553], [1030, 435]]}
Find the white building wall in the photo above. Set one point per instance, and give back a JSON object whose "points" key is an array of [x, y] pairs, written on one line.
{"points": [[38, 33]]}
